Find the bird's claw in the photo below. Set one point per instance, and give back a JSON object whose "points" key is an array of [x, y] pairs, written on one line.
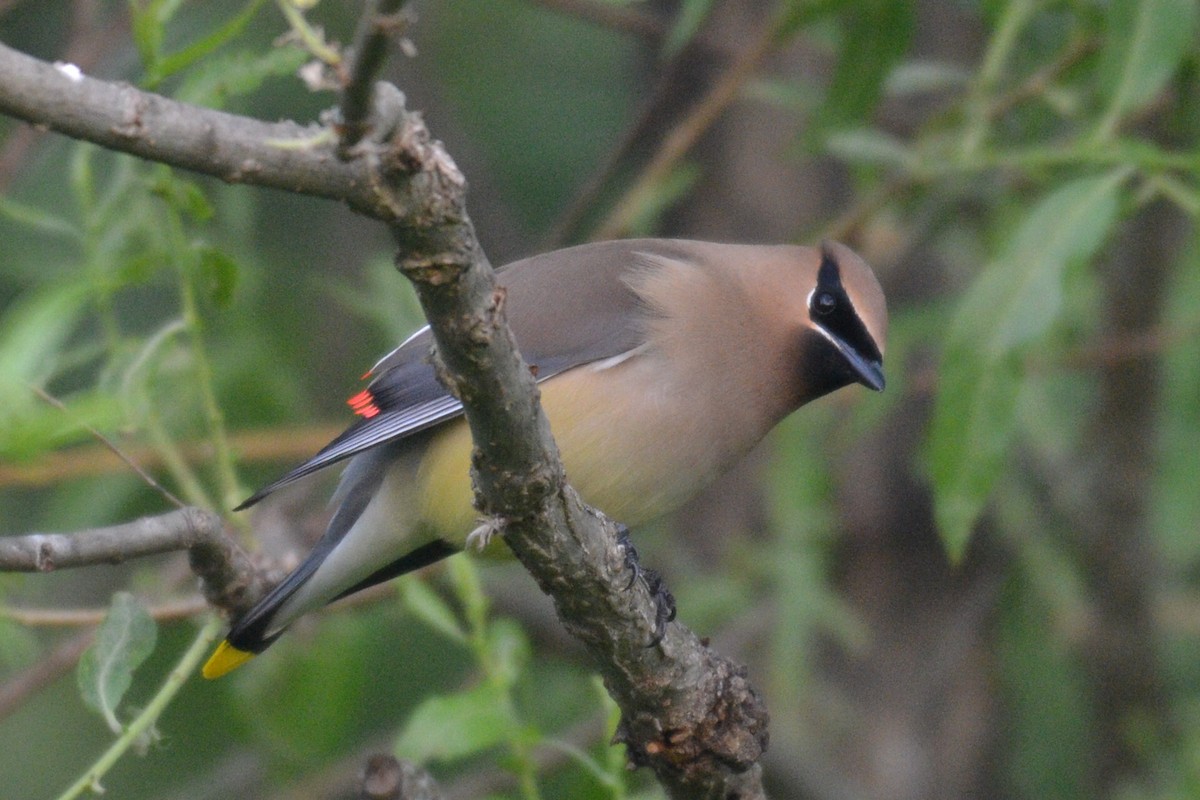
{"points": [[664, 601], [483, 534]]}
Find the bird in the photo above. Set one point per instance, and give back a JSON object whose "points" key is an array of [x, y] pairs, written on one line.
{"points": [[660, 363]]}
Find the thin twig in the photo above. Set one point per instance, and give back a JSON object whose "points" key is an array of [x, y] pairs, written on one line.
{"points": [[1037, 83], [184, 669], [172, 611], [1013, 19], [52, 666], [1113, 351], [257, 446], [79, 617], [548, 755], [846, 226], [336, 779], [376, 27], [111, 446], [685, 135], [49, 668], [205, 386], [645, 25], [648, 119], [384, 777], [312, 39]]}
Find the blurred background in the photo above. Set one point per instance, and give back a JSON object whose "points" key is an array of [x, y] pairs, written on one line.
{"points": [[983, 583]]}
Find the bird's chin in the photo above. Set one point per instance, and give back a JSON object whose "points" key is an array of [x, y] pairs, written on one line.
{"points": [[826, 366]]}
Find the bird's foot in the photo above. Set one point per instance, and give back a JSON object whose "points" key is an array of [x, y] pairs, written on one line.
{"points": [[482, 536], [664, 601]]}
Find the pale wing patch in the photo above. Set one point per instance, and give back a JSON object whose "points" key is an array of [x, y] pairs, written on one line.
{"points": [[621, 358]]}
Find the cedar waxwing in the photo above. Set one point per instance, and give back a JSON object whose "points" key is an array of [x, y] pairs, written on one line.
{"points": [[660, 364]]}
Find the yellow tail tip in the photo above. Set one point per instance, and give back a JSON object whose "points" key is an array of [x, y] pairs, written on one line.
{"points": [[226, 658]]}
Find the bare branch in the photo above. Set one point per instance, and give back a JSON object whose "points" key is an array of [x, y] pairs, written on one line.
{"points": [[281, 155], [146, 477], [45, 552], [230, 580]]}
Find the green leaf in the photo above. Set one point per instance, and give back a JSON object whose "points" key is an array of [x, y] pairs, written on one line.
{"points": [[83, 174], [1146, 42], [1013, 302], [123, 641], [426, 605], [615, 756], [147, 33], [919, 77], [969, 435], [220, 273], [169, 65], [30, 428], [214, 81], [509, 650], [868, 146], [797, 14], [464, 575], [181, 194], [1016, 299], [149, 19], [33, 332], [875, 37], [458, 725], [690, 17], [38, 219]]}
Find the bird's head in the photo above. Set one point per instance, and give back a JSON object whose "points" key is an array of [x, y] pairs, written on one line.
{"points": [[845, 329]]}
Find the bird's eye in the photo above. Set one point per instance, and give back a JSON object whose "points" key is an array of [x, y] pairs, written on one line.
{"points": [[824, 302]]}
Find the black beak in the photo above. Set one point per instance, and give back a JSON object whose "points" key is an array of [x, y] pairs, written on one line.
{"points": [[870, 373], [867, 371]]}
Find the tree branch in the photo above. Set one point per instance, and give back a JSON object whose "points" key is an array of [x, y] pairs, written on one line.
{"points": [[230, 579], [280, 155], [687, 712], [46, 552]]}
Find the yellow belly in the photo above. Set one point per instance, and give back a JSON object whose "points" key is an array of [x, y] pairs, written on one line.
{"points": [[632, 456]]}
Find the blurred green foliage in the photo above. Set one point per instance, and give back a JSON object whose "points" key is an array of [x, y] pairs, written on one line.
{"points": [[170, 312]]}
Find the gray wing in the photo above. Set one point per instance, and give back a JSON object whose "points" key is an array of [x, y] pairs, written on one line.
{"points": [[566, 308]]}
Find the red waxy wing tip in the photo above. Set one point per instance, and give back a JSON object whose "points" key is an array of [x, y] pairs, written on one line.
{"points": [[363, 404]]}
